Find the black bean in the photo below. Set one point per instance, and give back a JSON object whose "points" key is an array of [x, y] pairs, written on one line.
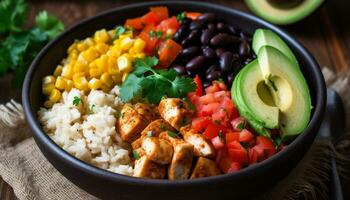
{"points": [[206, 84], [193, 36], [186, 21], [207, 35], [181, 33], [207, 17], [212, 26], [196, 63], [244, 49], [186, 42], [229, 79], [180, 69], [247, 61], [226, 61], [195, 25], [243, 37], [223, 39], [190, 51], [219, 51], [208, 52], [211, 68], [232, 30], [222, 28], [213, 75]]}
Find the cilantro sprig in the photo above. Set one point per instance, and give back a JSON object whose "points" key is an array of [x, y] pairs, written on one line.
{"points": [[152, 84], [77, 100]]}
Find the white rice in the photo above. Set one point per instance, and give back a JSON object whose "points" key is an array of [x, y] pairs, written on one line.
{"points": [[87, 131]]}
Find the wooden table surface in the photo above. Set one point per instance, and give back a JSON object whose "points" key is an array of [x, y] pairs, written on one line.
{"points": [[326, 34]]}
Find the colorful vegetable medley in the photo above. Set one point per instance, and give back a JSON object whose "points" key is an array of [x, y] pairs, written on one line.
{"points": [[199, 96]]}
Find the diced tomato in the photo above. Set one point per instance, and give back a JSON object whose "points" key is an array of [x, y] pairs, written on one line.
{"points": [[169, 26], [150, 18], [168, 52], [151, 42], [235, 166], [135, 23], [220, 95], [212, 89], [245, 136], [253, 156], [232, 136], [217, 142], [199, 124], [211, 131], [260, 152], [235, 145], [238, 155], [161, 11], [269, 152], [207, 99], [227, 103], [208, 110], [198, 82], [238, 123], [221, 85], [193, 15], [264, 142]]}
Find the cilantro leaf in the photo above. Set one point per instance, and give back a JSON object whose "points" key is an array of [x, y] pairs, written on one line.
{"points": [[181, 86], [119, 30], [130, 88], [13, 15], [181, 16], [136, 155], [77, 100], [51, 25], [173, 134]]}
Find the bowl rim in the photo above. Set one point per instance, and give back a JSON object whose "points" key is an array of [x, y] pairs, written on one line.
{"points": [[74, 162]]}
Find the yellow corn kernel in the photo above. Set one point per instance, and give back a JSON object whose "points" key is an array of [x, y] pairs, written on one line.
{"points": [[89, 41], [102, 63], [49, 79], [125, 75], [48, 104], [58, 70], [126, 43], [105, 88], [95, 72], [124, 63], [69, 85], [117, 78], [61, 83], [101, 36], [112, 66], [114, 52], [126, 34], [102, 48], [79, 67], [139, 55], [55, 95], [95, 84], [106, 79], [90, 54], [78, 74], [111, 33], [67, 71], [93, 64], [72, 47], [139, 45], [81, 83], [73, 55], [82, 46], [47, 88]]}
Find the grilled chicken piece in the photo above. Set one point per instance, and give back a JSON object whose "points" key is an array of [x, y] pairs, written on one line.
{"points": [[145, 168], [137, 143], [130, 123], [175, 111], [157, 127], [204, 168], [202, 147], [140, 152], [147, 111], [158, 150]]}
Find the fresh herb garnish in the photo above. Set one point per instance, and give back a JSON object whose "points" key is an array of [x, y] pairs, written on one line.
{"points": [[118, 114], [119, 30], [77, 100], [183, 121], [181, 16], [153, 84], [136, 155], [189, 103], [91, 109], [277, 141], [149, 133], [240, 126], [217, 121], [173, 134], [168, 36], [162, 127], [155, 34], [19, 47], [226, 112], [222, 137]]}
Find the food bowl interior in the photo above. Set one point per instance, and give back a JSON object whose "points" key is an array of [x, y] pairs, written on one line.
{"points": [[53, 53]]}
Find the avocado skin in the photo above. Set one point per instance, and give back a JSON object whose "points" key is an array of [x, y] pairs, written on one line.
{"points": [[280, 15]]}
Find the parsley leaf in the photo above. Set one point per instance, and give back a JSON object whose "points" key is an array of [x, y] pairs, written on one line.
{"points": [[181, 16], [77, 100], [13, 15], [119, 30]]}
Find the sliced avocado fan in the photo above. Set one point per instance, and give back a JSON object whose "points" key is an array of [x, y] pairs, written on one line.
{"points": [[283, 15]]}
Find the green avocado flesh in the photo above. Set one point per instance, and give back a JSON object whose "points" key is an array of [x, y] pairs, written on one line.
{"points": [[264, 37], [283, 15], [288, 89]]}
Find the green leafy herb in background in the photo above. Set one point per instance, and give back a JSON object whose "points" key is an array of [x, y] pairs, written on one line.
{"points": [[152, 84], [19, 47]]}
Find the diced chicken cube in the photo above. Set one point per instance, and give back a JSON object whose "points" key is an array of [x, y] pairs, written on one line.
{"points": [[158, 150], [137, 143], [204, 168], [156, 127], [171, 137], [130, 123], [181, 163], [175, 111], [202, 147], [145, 168], [147, 111]]}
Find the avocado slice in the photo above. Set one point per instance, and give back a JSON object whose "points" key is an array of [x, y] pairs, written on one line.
{"points": [[265, 37], [283, 15], [246, 94], [288, 88]]}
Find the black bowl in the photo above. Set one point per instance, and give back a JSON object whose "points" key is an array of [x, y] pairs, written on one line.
{"points": [[245, 183]]}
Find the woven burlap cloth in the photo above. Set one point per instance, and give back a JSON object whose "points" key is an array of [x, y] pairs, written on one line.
{"points": [[31, 176]]}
